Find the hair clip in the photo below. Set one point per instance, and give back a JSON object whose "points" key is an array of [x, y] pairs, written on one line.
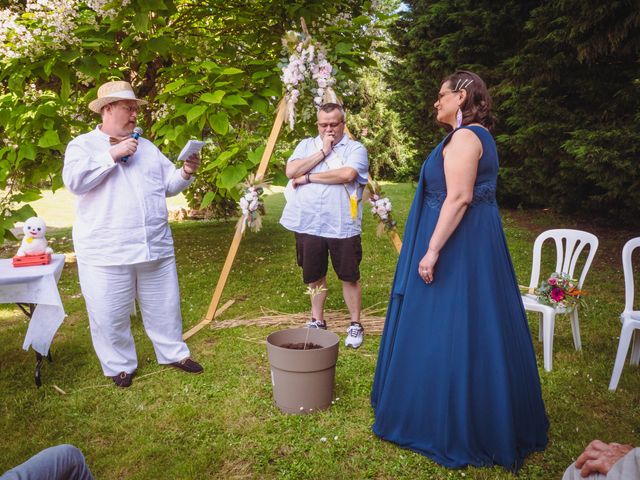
{"points": [[462, 84], [466, 83]]}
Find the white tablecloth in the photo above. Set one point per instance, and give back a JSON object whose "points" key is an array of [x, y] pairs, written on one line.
{"points": [[37, 285]]}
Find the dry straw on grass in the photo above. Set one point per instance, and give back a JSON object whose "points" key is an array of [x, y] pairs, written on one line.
{"points": [[337, 321]]}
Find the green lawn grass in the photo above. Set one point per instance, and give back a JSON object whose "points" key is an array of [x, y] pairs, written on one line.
{"points": [[223, 424]]}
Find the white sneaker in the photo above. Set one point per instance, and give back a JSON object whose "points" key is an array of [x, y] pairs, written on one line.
{"points": [[313, 323], [355, 335]]}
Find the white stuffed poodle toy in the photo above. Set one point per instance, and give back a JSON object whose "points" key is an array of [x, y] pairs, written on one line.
{"points": [[34, 241]]}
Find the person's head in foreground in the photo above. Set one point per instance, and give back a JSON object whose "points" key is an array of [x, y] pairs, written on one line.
{"points": [[331, 121], [463, 99], [118, 106]]}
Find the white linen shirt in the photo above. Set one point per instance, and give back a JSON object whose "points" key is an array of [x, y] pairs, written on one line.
{"points": [[324, 210], [121, 213]]}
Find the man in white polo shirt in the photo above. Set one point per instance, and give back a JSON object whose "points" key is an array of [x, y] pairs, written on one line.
{"points": [[324, 210], [121, 236]]}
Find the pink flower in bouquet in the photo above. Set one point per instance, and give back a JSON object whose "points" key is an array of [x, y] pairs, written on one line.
{"points": [[552, 281], [557, 294]]}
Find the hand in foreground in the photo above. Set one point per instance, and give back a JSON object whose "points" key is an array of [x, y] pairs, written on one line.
{"points": [[125, 148], [427, 265], [191, 164], [599, 457]]}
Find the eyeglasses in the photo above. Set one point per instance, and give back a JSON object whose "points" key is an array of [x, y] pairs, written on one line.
{"points": [[332, 125], [129, 108], [442, 94]]}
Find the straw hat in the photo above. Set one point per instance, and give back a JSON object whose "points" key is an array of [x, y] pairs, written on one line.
{"points": [[113, 92]]}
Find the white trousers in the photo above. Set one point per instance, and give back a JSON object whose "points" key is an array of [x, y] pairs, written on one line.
{"points": [[109, 294]]}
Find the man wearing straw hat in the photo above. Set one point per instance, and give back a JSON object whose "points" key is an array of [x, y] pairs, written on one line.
{"points": [[121, 235]]}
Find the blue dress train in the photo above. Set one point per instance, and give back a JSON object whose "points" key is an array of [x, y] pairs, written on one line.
{"points": [[456, 378]]}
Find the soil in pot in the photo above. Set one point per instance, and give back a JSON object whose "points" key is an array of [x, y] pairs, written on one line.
{"points": [[301, 346]]}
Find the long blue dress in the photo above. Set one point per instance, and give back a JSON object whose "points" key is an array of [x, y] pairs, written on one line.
{"points": [[456, 378]]}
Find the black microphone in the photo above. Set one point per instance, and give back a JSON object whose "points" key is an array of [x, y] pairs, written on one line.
{"points": [[136, 134]]}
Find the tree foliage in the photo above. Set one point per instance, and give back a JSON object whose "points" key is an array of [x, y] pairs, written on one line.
{"points": [[377, 126], [565, 78], [209, 69]]}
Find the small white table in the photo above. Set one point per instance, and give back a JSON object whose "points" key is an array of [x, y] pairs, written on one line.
{"points": [[37, 285]]}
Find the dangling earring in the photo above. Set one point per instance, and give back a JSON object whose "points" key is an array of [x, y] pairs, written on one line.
{"points": [[459, 118]]}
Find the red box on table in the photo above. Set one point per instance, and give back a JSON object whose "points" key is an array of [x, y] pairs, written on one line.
{"points": [[31, 260]]}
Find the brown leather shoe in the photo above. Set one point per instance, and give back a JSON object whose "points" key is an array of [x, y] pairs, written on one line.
{"points": [[188, 366], [123, 379]]}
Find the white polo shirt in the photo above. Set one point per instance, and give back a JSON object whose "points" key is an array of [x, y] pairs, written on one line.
{"points": [[121, 213], [324, 210]]}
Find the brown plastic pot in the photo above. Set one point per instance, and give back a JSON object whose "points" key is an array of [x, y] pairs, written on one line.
{"points": [[303, 380]]}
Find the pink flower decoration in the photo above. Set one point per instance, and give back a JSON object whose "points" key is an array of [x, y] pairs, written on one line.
{"points": [[557, 294], [552, 281]]}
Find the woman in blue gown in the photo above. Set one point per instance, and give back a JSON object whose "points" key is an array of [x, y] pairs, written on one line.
{"points": [[456, 378]]}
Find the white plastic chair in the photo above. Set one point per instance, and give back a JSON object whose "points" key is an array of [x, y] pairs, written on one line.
{"points": [[569, 246], [630, 318]]}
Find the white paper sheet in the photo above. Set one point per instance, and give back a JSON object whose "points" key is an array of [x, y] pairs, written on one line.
{"points": [[192, 146]]}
